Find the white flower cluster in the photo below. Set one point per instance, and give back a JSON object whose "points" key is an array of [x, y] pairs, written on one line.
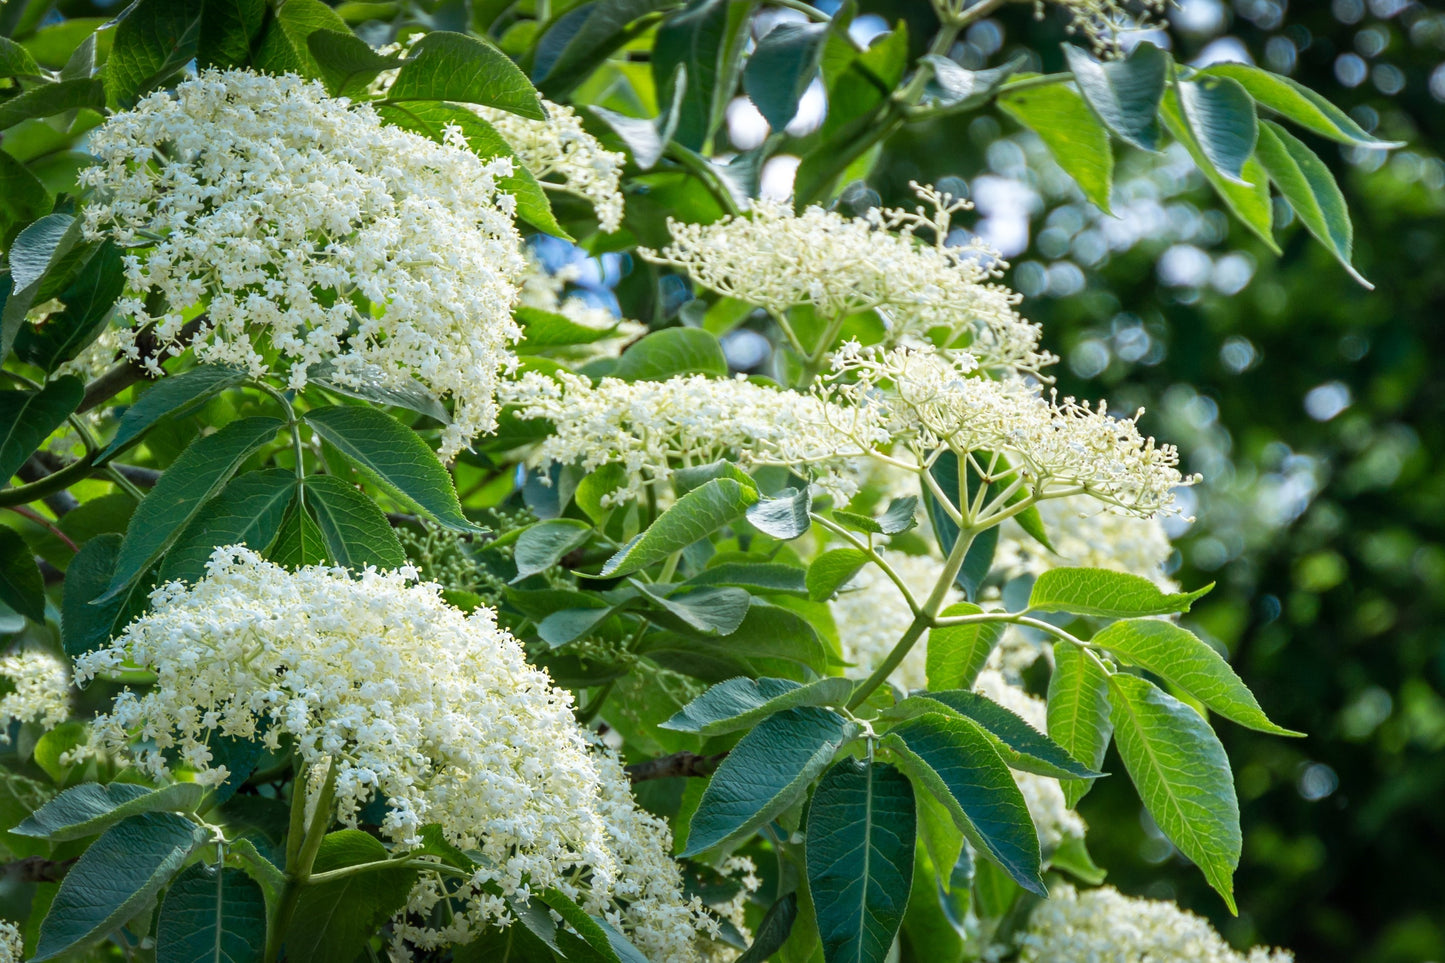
{"points": [[1087, 536], [41, 690], [310, 232], [1105, 926], [651, 428], [564, 157], [12, 943], [845, 265], [546, 291], [1059, 447], [411, 702]]}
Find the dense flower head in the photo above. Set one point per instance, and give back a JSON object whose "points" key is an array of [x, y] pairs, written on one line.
{"points": [[310, 233], [1057, 446], [12, 943], [40, 690], [1105, 926], [413, 703], [843, 265], [651, 428]]}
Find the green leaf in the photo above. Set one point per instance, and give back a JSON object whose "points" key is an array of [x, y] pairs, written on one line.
{"points": [[957, 653], [1072, 856], [85, 627], [48, 100], [759, 578], [1071, 132], [52, 747], [739, 703], [953, 759], [1078, 712], [21, 585], [831, 570], [29, 417], [1297, 102], [784, 517], [300, 541], [118, 875], [156, 39], [453, 66], [356, 532], [699, 38], [543, 545], [285, 48], [711, 610], [191, 481], [211, 916], [670, 352], [1097, 591], [91, 808], [598, 935], [15, 60], [22, 197], [781, 67], [1182, 774], [768, 770], [168, 395], [861, 828], [88, 301], [1306, 182], [900, 517], [347, 62], [582, 38], [248, 511], [1019, 744], [1184, 659], [1124, 93], [39, 250], [953, 88], [543, 330], [1221, 118], [334, 920], [396, 456], [648, 139], [229, 29], [1247, 198], [694, 516], [773, 930]]}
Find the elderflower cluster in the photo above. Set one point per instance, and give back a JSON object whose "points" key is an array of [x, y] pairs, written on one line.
{"points": [[564, 157], [841, 265], [1085, 535], [1058, 447], [293, 229], [406, 700], [12, 943], [1105, 926], [41, 690], [651, 428]]}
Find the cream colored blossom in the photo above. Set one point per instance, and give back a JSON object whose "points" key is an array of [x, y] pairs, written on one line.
{"points": [[844, 265], [412, 702], [651, 428], [309, 232], [41, 690], [1105, 926], [12, 943]]}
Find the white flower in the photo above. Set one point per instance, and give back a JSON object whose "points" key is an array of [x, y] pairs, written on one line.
{"points": [[1104, 926], [435, 712], [651, 428], [845, 265], [12, 943], [1102, 21], [309, 233], [41, 690]]}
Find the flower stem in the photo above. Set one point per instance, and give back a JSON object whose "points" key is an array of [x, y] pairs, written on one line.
{"points": [[301, 857]]}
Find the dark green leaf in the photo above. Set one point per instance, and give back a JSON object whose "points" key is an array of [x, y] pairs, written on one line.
{"points": [[91, 808], [861, 828], [356, 532], [956, 761], [1306, 182], [396, 456], [957, 653], [21, 586], [15, 60], [542, 545], [711, 611], [248, 511], [347, 62], [576, 43], [1078, 712], [831, 570], [781, 67], [119, 874], [27, 418], [977, 562], [411, 395], [87, 301], [759, 578], [739, 703], [156, 39], [648, 139], [456, 67], [47, 100], [85, 627], [300, 541], [700, 38], [773, 931], [1247, 198], [1184, 659], [768, 770], [211, 916], [785, 517], [953, 88], [229, 29], [168, 395], [1073, 135], [191, 481], [22, 197], [1300, 104], [1182, 774], [1097, 591], [694, 516], [1124, 93], [569, 625], [38, 251], [334, 920], [284, 47], [1220, 115], [1020, 744], [609, 945]]}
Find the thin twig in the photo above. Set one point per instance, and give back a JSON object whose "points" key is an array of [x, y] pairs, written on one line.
{"points": [[677, 764]]}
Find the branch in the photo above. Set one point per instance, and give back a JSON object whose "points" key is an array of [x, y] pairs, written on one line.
{"points": [[677, 764], [128, 372], [38, 869]]}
